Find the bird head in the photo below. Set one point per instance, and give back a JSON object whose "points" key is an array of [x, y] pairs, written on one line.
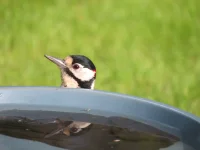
{"points": [[77, 71]]}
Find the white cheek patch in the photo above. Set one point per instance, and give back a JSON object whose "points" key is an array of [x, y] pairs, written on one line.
{"points": [[84, 74]]}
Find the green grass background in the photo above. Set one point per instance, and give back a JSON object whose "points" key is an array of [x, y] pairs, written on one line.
{"points": [[146, 48]]}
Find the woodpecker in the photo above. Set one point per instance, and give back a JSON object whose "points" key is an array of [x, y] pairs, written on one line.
{"points": [[77, 71]]}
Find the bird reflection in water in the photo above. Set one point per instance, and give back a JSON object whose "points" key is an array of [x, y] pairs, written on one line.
{"points": [[109, 133]]}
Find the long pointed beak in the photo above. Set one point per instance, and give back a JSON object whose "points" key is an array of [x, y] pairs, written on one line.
{"points": [[59, 62]]}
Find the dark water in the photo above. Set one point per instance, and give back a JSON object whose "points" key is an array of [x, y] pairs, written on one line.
{"points": [[34, 128]]}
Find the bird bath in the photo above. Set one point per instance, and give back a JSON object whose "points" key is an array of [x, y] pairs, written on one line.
{"points": [[120, 122]]}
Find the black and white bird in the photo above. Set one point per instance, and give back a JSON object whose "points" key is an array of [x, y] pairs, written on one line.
{"points": [[77, 71]]}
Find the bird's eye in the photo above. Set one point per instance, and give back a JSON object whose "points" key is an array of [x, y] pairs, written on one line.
{"points": [[75, 66], [75, 130]]}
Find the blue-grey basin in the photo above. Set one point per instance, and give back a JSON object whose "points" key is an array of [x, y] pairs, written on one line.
{"points": [[28, 113]]}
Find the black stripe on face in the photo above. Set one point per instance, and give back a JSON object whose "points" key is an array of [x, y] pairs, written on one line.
{"points": [[81, 84]]}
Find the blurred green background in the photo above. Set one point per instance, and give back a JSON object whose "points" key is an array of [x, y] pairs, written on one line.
{"points": [[146, 48]]}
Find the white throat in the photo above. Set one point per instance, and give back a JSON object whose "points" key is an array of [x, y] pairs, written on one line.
{"points": [[68, 81]]}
